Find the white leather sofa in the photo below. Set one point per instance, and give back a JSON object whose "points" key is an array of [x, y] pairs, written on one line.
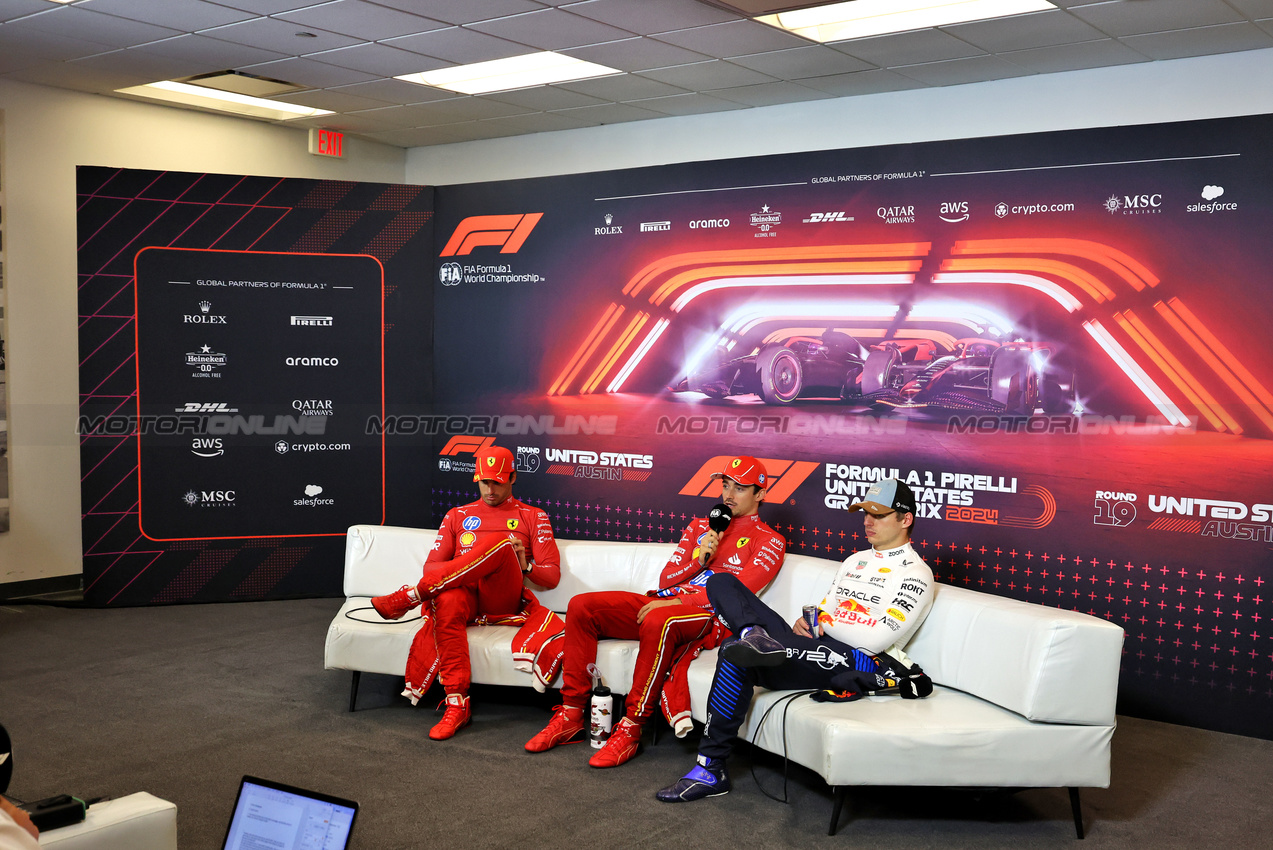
{"points": [[1024, 694], [139, 821]]}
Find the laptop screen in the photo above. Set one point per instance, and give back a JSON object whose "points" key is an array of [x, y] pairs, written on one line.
{"points": [[273, 816]]}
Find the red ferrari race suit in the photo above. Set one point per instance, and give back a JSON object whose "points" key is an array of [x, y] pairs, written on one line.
{"points": [[472, 576], [749, 549]]}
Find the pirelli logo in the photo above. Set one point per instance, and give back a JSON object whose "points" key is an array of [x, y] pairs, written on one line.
{"points": [[508, 232], [784, 477]]}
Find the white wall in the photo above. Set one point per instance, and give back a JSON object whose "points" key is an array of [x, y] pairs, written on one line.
{"points": [[48, 132], [1179, 90]]}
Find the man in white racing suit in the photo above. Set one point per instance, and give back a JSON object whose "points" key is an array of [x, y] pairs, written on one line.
{"points": [[876, 601]]}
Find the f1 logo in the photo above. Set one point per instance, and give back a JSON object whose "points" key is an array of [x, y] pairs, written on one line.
{"points": [[464, 444], [784, 477], [507, 231]]}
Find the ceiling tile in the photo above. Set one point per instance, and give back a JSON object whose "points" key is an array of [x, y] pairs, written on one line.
{"points": [[954, 72], [335, 101], [77, 22], [361, 19], [10, 9], [534, 122], [33, 46], [769, 94], [691, 103], [861, 82], [204, 51], [1124, 17], [453, 111], [626, 87], [148, 66], [636, 54], [1072, 57], [308, 73], [463, 11], [610, 113], [702, 76], [266, 7], [543, 98], [396, 91], [550, 29], [182, 15], [650, 16], [71, 75], [734, 38], [459, 45], [418, 137], [1021, 32], [400, 117], [379, 59], [1254, 8], [280, 36], [907, 48], [1202, 41], [812, 61]]}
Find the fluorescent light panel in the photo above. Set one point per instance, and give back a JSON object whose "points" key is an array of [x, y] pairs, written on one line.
{"points": [[515, 72], [224, 101], [862, 18]]}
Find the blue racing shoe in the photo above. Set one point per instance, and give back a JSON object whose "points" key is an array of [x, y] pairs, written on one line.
{"points": [[754, 647], [707, 779]]}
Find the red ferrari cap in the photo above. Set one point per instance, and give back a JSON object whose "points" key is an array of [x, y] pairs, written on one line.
{"points": [[745, 470], [494, 464]]}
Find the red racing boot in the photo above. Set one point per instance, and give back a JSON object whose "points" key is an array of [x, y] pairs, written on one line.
{"points": [[624, 743], [567, 722], [457, 716], [392, 606]]}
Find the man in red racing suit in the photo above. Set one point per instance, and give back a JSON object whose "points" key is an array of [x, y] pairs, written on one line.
{"points": [[669, 621], [485, 555]]}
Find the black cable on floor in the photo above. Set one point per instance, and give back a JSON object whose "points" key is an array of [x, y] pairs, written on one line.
{"points": [[785, 702]]}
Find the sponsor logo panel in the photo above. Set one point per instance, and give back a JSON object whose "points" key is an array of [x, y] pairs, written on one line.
{"points": [[655, 226], [765, 220], [206, 362], [1145, 203], [204, 316], [1210, 194]]}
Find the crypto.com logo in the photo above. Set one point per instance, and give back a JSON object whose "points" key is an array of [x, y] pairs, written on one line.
{"points": [[785, 476], [507, 231]]}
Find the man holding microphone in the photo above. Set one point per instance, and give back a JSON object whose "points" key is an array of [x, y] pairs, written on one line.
{"points": [[670, 620], [878, 597]]}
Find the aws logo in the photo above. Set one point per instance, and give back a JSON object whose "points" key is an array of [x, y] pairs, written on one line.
{"points": [[509, 232], [783, 479]]}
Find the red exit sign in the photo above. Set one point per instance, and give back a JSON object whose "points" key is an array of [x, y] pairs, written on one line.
{"points": [[326, 142]]}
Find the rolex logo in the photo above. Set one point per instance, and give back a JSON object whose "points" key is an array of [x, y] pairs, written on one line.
{"points": [[205, 306]]}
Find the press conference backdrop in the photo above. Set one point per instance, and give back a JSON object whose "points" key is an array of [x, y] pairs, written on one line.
{"points": [[1055, 338]]}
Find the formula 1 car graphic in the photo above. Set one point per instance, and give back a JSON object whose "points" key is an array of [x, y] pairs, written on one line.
{"points": [[974, 374]]}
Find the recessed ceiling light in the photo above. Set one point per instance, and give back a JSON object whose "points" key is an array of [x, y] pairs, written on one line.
{"points": [[223, 101], [862, 18], [515, 72]]}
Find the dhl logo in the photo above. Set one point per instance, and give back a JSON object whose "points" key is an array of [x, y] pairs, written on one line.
{"points": [[507, 231], [464, 444], [784, 477]]}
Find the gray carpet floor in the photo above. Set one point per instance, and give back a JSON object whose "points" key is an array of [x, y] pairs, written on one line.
{"points": [[182, 701]]}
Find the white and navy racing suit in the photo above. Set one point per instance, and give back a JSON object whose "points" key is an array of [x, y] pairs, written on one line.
{"points": [[875, 603]]}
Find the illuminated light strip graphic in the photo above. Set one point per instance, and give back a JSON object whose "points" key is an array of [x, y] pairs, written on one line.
{"points": [[629, 333], [1209, 356], [1174, 369], [722, 280], [1130, 368], [753, 319], [659, 327], [1075, 275], [1129, 269], [1235, 364], [1053, 290], [823, 252], [589, 345], [839, 310], [961, 314]]}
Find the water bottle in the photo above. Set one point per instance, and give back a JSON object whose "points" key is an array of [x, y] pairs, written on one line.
{"points": [[601, 716]]}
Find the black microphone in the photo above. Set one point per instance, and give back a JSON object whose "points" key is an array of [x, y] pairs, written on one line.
{"points": [[718, 518]]}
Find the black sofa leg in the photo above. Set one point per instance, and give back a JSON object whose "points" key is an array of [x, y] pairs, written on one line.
{"points": [[353, 690], [840, 791], [1078, 813]]}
